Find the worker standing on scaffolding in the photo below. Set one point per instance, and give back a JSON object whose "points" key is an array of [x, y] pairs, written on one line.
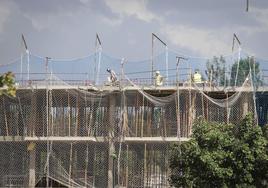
{"points": [[112, 78], [158, 79], [197, 77]]}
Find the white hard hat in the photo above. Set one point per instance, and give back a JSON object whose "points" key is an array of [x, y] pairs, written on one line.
{"points": [[157, 72]]}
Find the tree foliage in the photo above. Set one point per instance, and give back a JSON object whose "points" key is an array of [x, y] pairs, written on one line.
{"points": [[7, 84], [216, 70], [245, 65], [221, 155]]}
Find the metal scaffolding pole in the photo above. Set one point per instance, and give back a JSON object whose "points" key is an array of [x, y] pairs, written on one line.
{"points": [[235, 38], [178, 96], [24, 47], [98, 50], [154, 36]]}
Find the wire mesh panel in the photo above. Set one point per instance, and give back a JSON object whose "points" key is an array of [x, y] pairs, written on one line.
{"points": [[80, 164], [142, 165], [121, 164], [147, 118], [226, 106], [156, 168], [14, 164], [244, 105], [72, 164], [54, 113], [82, 138], [15, 113], [136, 165]]}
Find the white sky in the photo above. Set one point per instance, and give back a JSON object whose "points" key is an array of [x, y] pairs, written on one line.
{"points": [[67, 28]]}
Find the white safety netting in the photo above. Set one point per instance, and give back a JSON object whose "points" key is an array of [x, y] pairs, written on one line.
{"points": [[77, 120]]}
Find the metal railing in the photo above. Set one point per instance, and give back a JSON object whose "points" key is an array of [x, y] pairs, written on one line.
{"points": [[14, 180]]}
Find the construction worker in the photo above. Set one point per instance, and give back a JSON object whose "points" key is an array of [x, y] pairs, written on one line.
{"points": [[158, 79], [197, 77], [112, 78]]}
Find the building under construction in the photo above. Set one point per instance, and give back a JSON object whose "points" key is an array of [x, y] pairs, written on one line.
{"points": [[69, 127]]}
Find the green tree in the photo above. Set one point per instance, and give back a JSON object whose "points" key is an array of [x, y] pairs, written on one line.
{"points": [[221, 155], [7, 84], [216, 70], [245, 65], [250, 155]]}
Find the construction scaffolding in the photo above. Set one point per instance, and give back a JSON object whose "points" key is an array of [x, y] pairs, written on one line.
{"points": [[75, 129]]}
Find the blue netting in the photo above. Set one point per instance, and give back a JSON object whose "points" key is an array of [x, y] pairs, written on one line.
{"points": [[111, 63], [74, 71], [92, 68], [37, 68]]}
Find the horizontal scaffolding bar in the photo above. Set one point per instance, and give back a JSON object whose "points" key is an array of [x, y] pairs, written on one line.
{"points": [[103, 139]]}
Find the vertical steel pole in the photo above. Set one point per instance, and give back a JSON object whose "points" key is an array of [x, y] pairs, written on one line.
{"points": [[178, 98], [28, 65], [152, 59], [167, 65]]}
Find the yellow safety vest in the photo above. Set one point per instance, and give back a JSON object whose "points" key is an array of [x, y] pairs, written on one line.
{"points": [[158, 80], [197, 78]]}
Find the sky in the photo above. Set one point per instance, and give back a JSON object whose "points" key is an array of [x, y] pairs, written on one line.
{"points": [[67, 28]]}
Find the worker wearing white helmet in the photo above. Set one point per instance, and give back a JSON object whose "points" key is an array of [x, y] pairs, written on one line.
{"points": [[158, 79], [112, 78]]}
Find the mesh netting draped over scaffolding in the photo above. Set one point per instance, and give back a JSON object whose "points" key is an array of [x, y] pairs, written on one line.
{"points": [[73, 129], [66, 127], [222, 71]]}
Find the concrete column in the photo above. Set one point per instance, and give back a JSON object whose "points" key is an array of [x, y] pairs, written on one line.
{"points": [[192, 113], [111, 157], [145, 166], [32, 150], [245, 108], [33, 122]]}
